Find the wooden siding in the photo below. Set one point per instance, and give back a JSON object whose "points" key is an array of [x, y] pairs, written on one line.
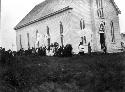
{"points": [[54, 25], [82, 9], [110, 14]]}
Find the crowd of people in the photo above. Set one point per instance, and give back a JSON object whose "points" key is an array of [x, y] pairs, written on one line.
{"points": [[52, 50], [123, 45]]}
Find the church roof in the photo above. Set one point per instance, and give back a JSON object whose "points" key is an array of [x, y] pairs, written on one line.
{"points": [[45, 10], [42, 11], [32, 15]]}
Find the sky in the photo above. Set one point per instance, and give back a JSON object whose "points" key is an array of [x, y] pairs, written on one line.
{"points": [[12, 12]]}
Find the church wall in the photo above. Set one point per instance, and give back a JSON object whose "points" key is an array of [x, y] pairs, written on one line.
{"points": [[81, 10], [53, 23], [24, 41], [109, 15], [54, 26], [18, 40]]}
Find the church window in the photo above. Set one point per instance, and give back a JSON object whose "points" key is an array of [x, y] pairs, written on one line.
{"points": [[100, 12], [82, 40], [61, 28], [99, 3], [102, 27], [112, 31], [38, 44], [82, 24], [48, 35], [36, 34], [37, 38], [20, 43], [28, 40], [85, 40]]}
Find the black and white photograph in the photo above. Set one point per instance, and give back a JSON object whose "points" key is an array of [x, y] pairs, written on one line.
{"points": [[62, 46]]}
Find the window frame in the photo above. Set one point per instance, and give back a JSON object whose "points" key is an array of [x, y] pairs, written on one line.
{"points": [[100, 9], [103, 25], [82, 24], [48, 36], [112, 32], [20, 42], [28, 40]]}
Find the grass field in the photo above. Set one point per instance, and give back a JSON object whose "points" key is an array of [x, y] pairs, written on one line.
{"points": [[88, 73]]}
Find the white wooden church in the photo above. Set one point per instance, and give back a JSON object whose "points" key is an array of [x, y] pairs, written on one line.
{"points": [[71, 22]]}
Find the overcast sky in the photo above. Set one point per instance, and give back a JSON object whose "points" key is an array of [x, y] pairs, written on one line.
{"points": [[12, 11]]}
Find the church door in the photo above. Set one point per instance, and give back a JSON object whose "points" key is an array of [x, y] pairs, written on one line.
{"points": [[102, 40], [102, 34]]}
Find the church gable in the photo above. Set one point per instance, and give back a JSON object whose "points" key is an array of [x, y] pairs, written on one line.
{"points": [[115, 6]]}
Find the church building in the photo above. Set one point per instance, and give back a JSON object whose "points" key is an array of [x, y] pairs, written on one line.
{"points": [[94, 22]]}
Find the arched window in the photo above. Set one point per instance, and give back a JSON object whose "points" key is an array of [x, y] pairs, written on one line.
{"points": [[37, 38], [112, 31], [102, 27], [100, 12], [99, 3], [28, 40], [82, 24], [61, 27], [85, 40], [48, 33], [20, 42], [36, 34], [48, 37], [82, 40]]}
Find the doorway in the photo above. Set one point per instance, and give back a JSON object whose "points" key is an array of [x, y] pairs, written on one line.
{"points": [[102, 40]]}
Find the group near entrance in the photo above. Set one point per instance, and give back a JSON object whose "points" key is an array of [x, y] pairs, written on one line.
{"points": [[84, 24]]}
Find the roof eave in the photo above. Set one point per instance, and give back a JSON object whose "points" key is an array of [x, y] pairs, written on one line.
{"points": [[42, 18], [116, 7]]}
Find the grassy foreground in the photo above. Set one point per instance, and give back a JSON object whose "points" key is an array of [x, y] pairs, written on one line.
{"points": [[88, 73]]}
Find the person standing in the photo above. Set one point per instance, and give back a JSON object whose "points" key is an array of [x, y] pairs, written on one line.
{"points": [[81, 49], [105, 50], [89, 49]]}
